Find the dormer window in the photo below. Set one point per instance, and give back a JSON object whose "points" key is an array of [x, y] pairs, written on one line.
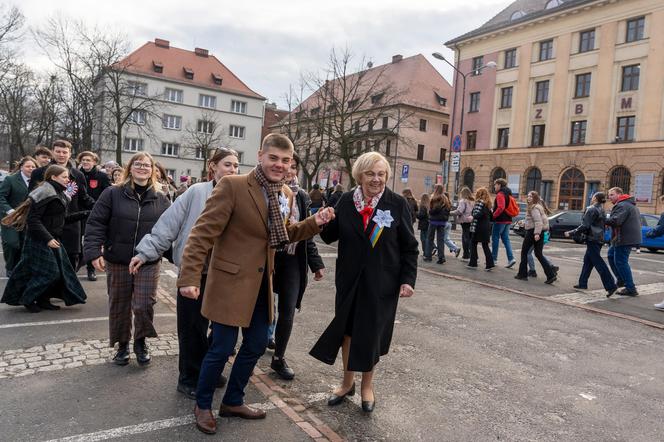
{"points": [[216, 78], [188, 73], [441, 100], [553, 4], [517, 15], [376, 98], [157, 66]]}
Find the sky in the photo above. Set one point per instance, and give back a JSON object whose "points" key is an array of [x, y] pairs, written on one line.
{"points": [[268, 44]]}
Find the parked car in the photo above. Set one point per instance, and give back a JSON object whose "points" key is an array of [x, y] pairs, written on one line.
{"points": [[522, 214], [648, 222], [559, 223]]}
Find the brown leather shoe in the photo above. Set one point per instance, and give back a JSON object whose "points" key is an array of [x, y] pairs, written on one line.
{"points": [[243, 411], [205, 421]]}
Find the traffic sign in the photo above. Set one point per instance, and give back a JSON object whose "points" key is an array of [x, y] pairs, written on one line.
{"points": [[456, 144], [456, 161], [404, 173]]}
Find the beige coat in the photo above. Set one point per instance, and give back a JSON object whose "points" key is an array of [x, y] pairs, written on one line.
{"points": [[536, 219], [234, 225]]}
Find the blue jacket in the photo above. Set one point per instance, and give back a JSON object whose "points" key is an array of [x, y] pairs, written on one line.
{"points": [[659, 229]]}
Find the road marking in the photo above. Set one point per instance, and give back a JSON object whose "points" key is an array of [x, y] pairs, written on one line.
{"points": [[71, 321], [590, 397], [638, 258], [590, 296], [171, 273], [328, 255]]}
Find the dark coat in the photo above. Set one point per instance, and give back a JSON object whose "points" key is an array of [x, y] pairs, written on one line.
{"points": [[592, 225], [625, 221], [13, 191], [306, 254], [412, 204], [120, 220], [50, 213], [439, 213], [96, 181], [480, 227], [368, 280], [423, 218], [80, 200], [334, 198]]}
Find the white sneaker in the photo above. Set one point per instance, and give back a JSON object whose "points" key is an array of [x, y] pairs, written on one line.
{"points": [[660, 306], [510, 264]]}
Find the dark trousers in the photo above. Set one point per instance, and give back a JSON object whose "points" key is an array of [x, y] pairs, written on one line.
{"points": [[465, 240], [538, 249], [619, 261], [224, 337], [593, 260], [487, 254], [192, 337], [12, 256], [423, 241], [287, 273], [73, 260], [439, 233]]}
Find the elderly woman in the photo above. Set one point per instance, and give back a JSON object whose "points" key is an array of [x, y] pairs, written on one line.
{"points": [[377, 264]]}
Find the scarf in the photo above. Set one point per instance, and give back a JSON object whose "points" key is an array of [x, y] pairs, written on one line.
{"points": [[278, 236], [365, 207], [477, 210], [294, 214]]}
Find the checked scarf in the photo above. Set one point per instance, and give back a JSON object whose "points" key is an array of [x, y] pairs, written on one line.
{"points": [[278, 235]]}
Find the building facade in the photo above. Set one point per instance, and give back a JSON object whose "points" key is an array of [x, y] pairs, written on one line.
{"points": [[575, 104], [180, 103]]}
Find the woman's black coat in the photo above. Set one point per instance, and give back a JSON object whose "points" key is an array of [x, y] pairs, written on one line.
{"points": [[368, 280], [48, 215], [482, 221]]}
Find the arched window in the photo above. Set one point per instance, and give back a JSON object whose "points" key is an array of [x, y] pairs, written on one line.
{"points": [[468, 178], [533, 180], [570, 196], [517, 15], [498, 172], [553, 4], [620, 177]]}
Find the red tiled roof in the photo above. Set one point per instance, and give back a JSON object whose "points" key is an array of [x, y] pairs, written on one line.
{"points": [[176, 62]]}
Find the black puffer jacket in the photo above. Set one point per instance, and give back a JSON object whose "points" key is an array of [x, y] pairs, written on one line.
{"points": [[119, 221], [593, 224], [97, 181], [438, 212]]}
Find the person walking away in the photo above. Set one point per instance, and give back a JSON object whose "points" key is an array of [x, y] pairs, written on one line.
{"points": [[44, 270], [172, 231], [657, 232], [501, 222], [124, 214], [334, 197], [592, 228], [246, 220], [423, 221], [536, 224], [439, 213], [412, 203], [316, 197], [625, 223], [13, 191], [480, 229]]}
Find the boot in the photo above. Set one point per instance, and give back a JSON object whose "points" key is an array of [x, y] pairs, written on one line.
{"points": [[122, 356], [142, 351]]}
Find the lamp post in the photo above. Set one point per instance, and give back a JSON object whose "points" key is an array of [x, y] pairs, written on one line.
{"points": [[491, 65]]}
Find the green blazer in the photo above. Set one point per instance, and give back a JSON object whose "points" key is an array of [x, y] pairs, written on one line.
{"points": [[13, 192]]}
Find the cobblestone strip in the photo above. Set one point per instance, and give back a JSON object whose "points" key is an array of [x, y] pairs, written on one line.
{"points": [[71, 354]]}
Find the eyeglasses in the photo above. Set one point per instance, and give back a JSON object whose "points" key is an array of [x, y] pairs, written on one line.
{"points": [[373, 175], [139, 165]]}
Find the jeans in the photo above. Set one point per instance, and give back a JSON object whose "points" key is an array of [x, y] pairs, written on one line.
{"points": [[224, 337], [619, 262], [528, 242], [450, 244], [531, 259], [273, 324], [593, 259], [192, 337], [423, 241], [439, 233], [487, 254], [501, 232], [465, 240]]}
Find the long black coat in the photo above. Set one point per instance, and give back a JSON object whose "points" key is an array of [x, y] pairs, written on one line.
{"points": [[481, 224], [368, 280]]}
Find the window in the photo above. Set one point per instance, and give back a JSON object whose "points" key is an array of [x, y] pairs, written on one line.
{"points": [[170, 149], [174, 95], [423, 125], [553, 4], [239, 107], [385, 122], [446, 129], [537, 136], [443, 153], [388, 147], [625, 131], [158, 67], [542, 91], [199, 153], [471, 140], [468, 178], [474, 102], [205, 127], [506, 97], [498, 172], [352, 104], [236, 131], [478, 62], [630, 77], [376, 98], [208, 101], [533, 180], [578, 135], [371, 124], [441, 100], [420, 151], [136, 88], [582, 88], [314, 112], [503, 137], [171, 173], [545, 50], [133, 144], [635, 29], [137, 116], [587, 40], [188, 73], [356, 126], [620, 177], [510, 58], [172, 122]]}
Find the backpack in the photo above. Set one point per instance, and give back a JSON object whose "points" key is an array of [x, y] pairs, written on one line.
{"points": [[512, 208]]}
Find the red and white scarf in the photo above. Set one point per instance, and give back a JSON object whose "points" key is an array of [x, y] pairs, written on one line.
{"points": [[365, 206]]}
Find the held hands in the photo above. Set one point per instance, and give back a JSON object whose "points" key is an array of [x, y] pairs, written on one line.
{"points": [[99, 264], [190, 292], [324, 216], [406, 291], [54, 244], [567, 234], [135, 264], [319, 274]]}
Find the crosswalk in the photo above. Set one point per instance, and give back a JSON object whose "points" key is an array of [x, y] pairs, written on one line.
{"points": [[592, 296]]}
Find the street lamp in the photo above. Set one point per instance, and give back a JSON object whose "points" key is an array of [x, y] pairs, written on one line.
{"points": [[489, 65]]}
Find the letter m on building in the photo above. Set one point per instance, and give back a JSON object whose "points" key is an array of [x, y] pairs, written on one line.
{"points": [[626, 103]]}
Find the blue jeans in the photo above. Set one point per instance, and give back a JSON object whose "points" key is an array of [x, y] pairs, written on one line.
{"points": [[423, 241], [224, 337], [619, 262], [273, 325], [501, 232], [593, 259], [448, 242]]}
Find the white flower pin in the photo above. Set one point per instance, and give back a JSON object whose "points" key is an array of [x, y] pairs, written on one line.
{"points": [[383, 218], [283, 205]]}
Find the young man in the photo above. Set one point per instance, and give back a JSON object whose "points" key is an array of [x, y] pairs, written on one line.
{"points": [[43, 156], [501, 222], [625, 223], [77, 191], [243, 224]]}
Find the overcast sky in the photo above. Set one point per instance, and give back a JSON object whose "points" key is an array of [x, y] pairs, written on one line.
{"points": [[268, 43]]}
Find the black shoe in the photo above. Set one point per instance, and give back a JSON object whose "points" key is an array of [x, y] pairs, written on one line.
{"points": [[282, 369], [271, 344], [522, 278], [620, 284], [440, 261], [336, 400], [427, 259], [532, 274], [142, 352], [45, 304], [368, 406], [581, 287], [555, 269], [456, 254], [611, 292], [627, 292], [92, 276], [223, 380], [33, 308], [488, 269], [551, 280], [189, 392], [122, 356]]}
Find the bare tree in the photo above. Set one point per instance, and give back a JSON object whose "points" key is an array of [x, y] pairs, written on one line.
{"points": [[11, 23], [204, 137]]}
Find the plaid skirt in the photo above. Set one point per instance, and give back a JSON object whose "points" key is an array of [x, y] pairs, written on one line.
{"points": [[43, 271]]}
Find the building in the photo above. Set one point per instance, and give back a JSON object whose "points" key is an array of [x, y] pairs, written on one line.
{"points": [[576, 102], [179, 104], [399, 108], [271, 117]]}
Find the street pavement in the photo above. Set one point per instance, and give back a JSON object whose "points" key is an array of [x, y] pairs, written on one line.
{"points": [[476, 356]]}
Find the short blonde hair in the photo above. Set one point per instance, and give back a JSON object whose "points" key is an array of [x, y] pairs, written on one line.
{"points": [[366, 161]]}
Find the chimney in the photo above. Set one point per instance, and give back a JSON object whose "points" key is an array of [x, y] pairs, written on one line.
{"points": [[397, 58], [162, 43], [201, 52]]}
